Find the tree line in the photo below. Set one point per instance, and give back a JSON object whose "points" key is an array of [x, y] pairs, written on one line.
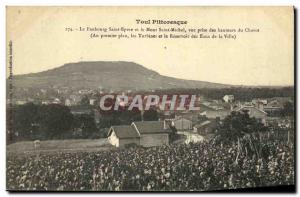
{"points": [[240, 93], [55, 121]]}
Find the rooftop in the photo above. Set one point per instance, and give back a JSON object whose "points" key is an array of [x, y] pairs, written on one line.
{"points": [[124, 131], [145, 127]]}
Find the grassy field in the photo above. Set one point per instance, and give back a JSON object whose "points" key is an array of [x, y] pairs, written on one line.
{"points": [[54, 146]]}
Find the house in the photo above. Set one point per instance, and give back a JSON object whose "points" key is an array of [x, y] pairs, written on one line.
{"points": [[84, 91], [46, 102], [167, 114], [216, 105], [120, 136], [248, 104], [205, 107], [56, 101], [182, 124], [144, 133], [228, 98], [262, 101], [92, 101], [206, 127], [254, 112], [273, 107], [21, 102], [274, 103], [272, 110], [153, 133], [220, 106], [279, 101], [75, 99], [213, 114], [189, 115], [68, 102]]}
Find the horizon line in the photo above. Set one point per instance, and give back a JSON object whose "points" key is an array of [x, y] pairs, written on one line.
{"points": [[95, 61]]}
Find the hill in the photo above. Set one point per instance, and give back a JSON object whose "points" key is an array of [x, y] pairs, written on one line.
{"points": [[109, 75]]}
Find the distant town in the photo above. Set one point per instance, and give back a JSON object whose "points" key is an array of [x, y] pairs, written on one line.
{"points": [[87, 126], [87, 120]]}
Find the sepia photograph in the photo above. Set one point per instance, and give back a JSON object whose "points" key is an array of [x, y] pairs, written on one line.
{"points": [[150, 99]]}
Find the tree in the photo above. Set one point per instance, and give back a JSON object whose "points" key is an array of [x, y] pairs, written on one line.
{"points": [[151, 115], [126, 116], [240, 130], [85, 101], [55, 121], [87, 122], [288, 109], [24, 117], [237, 125]]}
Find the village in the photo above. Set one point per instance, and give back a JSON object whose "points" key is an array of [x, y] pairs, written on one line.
{"points": [[196, 126], [151, 149], [188, 125]]}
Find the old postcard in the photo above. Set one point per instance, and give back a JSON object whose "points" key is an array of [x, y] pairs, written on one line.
{"points": [[150, 98]]}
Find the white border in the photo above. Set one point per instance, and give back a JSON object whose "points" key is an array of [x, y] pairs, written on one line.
{"points": [[109, 3]]}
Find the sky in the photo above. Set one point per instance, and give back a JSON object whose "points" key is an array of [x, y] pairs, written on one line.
{"points": [[40, 42]]}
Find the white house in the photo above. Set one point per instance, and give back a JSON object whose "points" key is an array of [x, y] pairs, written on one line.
{"points": [[92, 101], [144, 133], [182, 124], [120, 136], [213, 114], [68, 102], [228, 98]]}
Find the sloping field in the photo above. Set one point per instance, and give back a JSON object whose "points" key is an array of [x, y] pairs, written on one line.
{"points": [[59, 146]]}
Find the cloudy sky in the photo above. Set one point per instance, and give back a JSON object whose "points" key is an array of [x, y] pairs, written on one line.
{"points": [[40, 42]]}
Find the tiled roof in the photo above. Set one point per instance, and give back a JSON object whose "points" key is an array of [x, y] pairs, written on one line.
{"points": [[145, 127], [206, 122], [251, 107], [125, 131]]}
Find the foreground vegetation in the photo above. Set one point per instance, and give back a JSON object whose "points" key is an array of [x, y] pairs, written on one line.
{"points": [[201, 166]]}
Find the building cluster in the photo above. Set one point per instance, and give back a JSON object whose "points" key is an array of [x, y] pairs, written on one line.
{"points": [[203, 122], [155, 133], [143, 133]]}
